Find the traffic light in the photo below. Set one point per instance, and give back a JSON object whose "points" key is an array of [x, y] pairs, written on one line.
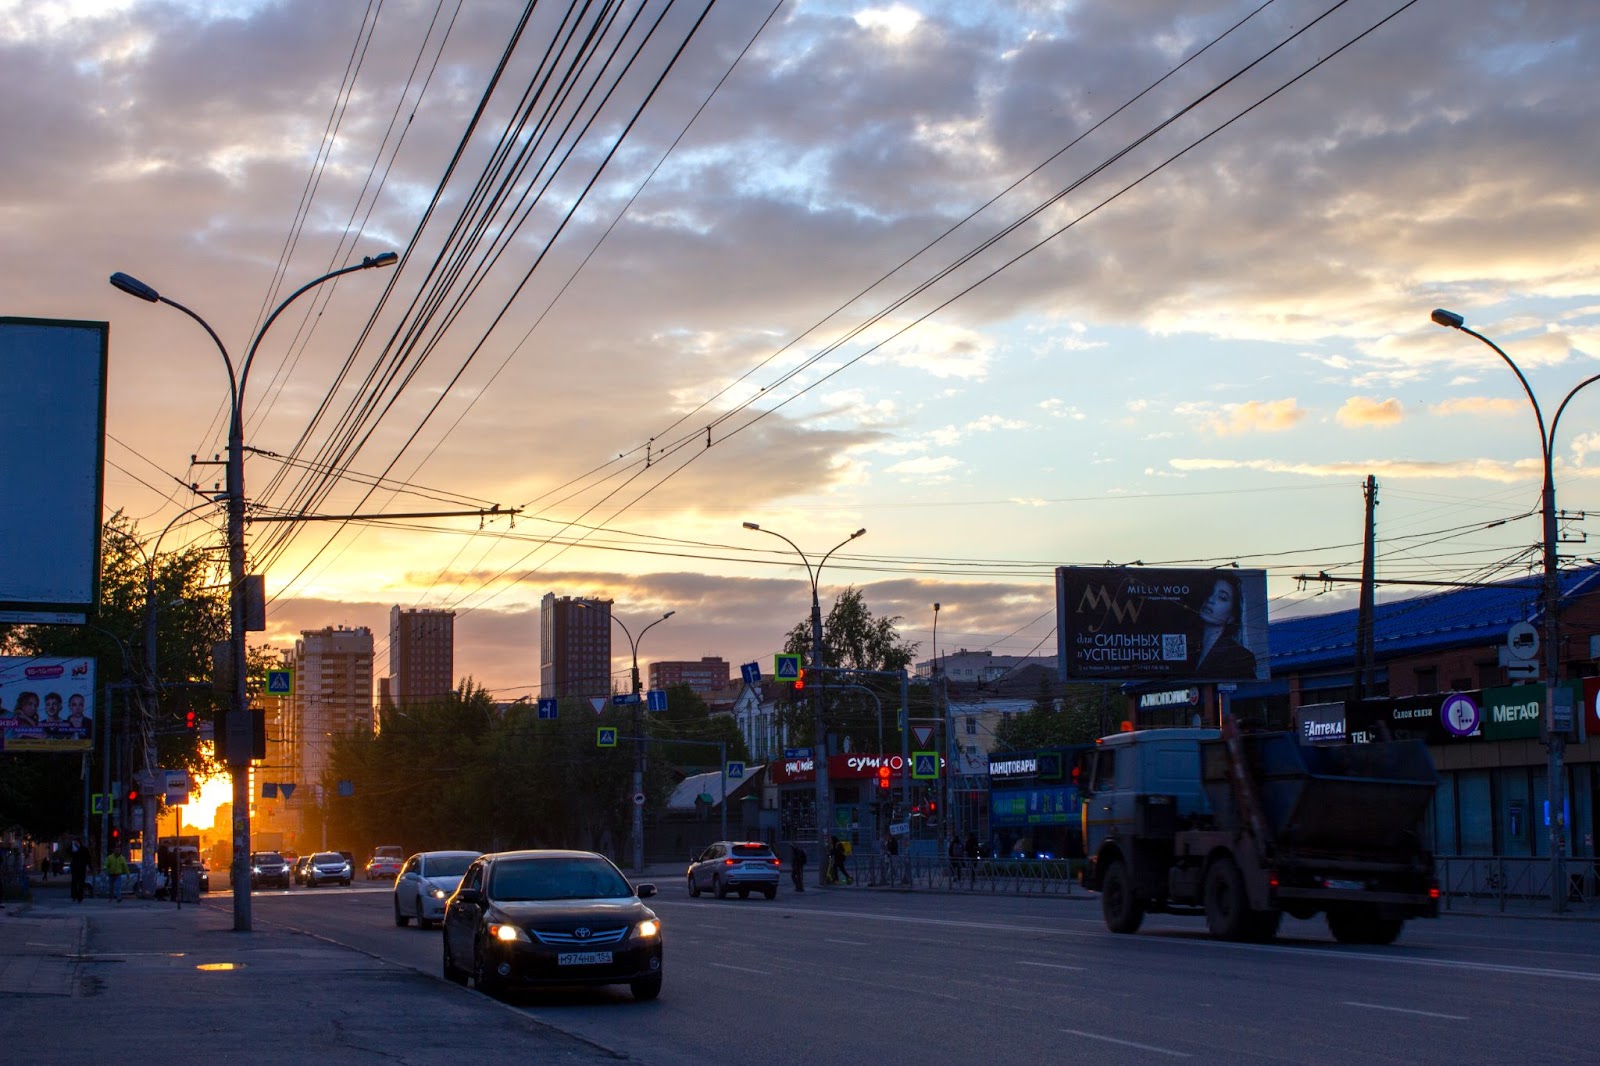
{"points": [[800, 680], [190, 722], [116, 836], [133, 793], [883, 778]]}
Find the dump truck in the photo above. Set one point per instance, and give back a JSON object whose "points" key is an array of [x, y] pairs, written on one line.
{"points": [[1245, 828]]}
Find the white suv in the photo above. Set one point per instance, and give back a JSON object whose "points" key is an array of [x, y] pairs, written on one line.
{"points": [[735, 866]]}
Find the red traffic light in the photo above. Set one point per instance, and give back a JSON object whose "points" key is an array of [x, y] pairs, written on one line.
{"points": [[190, 721], [800, 680], [133, 795], [883, 777]]}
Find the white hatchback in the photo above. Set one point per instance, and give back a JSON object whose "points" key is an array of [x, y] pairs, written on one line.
{"points": [[426, 880]]}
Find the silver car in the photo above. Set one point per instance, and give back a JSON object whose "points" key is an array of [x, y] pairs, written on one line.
{"points": [[425, 881], [735, 866], [328, 867]]}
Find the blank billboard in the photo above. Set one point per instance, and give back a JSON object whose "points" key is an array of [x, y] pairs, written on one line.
{"points": [[53, 407]]}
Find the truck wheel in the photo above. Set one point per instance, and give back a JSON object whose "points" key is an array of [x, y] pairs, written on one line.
{"points": [[1361, 925], [1228, 914], [1118, 904]]}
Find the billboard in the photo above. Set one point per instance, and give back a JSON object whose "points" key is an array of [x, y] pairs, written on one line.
{"points": [[1118, 623], [46, 704], [54, 411]]}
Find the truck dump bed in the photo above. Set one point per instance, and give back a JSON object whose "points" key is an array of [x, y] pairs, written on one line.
{"points": [[1362, 798]]}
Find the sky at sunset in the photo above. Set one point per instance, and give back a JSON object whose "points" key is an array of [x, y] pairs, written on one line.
{"points": [[1012, 285]]}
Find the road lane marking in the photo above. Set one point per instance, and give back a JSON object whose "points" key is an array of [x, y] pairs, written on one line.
{"points": [[846, 943], [1129, 1043], [741, 969], [1049, 965], [1407, 1010]]}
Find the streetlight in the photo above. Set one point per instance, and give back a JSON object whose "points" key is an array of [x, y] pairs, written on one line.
{"points": [[819, 749], [238, 715], [1556, 744], [638, 739]]}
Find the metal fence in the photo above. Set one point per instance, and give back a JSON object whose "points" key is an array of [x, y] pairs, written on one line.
{"points": [[1015, 877], [1500, 882]]}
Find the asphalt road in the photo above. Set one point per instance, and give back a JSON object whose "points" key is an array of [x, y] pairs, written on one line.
{"points": [[850, 976]]}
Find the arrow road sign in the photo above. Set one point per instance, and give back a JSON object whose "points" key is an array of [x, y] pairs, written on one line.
{"points": [[656, 699], [925, 765], [605, 736], [786, 667], [548, 707], [751, 672], [622, 699], [735, 771]]}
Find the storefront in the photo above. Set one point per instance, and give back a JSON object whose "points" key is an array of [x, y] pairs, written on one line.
{"points": [[1033, 804], [862, 811]]}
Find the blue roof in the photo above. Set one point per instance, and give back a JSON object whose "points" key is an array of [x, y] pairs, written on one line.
{"points": [[1432, 622]]}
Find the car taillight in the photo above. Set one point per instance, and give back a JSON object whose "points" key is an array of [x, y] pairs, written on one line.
{"points": [[727, 862], [776, 862]]}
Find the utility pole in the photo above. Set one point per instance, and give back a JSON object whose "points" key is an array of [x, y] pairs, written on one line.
{"points": [[1366, 650]]}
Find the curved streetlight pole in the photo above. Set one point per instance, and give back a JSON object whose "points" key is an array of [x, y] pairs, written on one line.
{"points": [[1556, 785], [638, 739], [819, 743], [239, 729]]}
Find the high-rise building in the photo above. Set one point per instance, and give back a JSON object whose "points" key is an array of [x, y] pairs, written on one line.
{"points": [[574, 646], [332, 697], [707, 675], [422, 648]]}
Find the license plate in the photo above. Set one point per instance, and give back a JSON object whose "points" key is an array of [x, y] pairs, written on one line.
{"points": [[584, 958], [1347, 886]]}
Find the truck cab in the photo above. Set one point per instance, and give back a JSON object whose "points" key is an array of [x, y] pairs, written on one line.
{"points": [[1139, 783]]}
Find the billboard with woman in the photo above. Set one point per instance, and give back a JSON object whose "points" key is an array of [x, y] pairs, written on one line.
{"points": [[1147, 623]]}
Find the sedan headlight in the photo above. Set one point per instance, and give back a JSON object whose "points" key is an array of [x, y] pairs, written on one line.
{"points": [[438, 893], [507, 932], [648, 928]]}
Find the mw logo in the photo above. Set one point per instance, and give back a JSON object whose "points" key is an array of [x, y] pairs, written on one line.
{"points": [[1100, 598]]}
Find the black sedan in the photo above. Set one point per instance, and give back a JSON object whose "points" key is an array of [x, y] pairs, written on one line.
{"points": [[530, 918]]}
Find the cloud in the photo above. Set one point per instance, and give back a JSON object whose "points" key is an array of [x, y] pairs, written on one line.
{"points": [[1410, 469], [1057, 408], [928, 468], [1477, 405], [1366, 411], [1252, 416]]}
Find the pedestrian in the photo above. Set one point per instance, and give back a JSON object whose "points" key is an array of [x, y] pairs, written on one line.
{"points": [[972, 856], [115, 867], [839, 854], [44, 868], [954, 851], [78, 864], [797, 866], [891, 849]]}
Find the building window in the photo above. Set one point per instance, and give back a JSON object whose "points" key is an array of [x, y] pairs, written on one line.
{"points": [[1427, 679], [972, 726]]}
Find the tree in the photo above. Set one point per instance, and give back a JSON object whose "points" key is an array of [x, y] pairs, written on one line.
{"points": [[36, 791], [852, 639], [1054, 721]]}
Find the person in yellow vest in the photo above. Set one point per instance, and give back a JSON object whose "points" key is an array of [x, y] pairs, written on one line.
{"points": [[115, 866]]}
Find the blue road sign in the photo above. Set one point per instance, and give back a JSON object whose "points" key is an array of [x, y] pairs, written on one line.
{"points": [[797, 753], [924, 765], [752, 673], [605, 736], [656, 699], [622, 699], [735, 771], [549, 707], [280, 682], [786, 667], [347, 788]]}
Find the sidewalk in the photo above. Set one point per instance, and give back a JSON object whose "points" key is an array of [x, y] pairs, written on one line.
{"points": [[108, 982]]}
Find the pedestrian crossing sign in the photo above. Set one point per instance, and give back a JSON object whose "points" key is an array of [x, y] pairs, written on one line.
{"points": [[280, 682], [605, 736], [925, 765], [786, 667]]}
